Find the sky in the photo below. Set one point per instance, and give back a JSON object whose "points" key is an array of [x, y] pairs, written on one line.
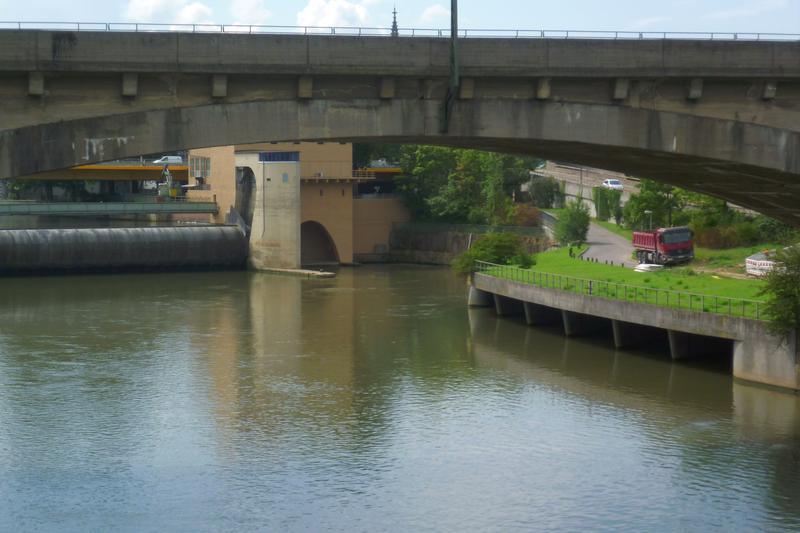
{"points": [[777, 16]]}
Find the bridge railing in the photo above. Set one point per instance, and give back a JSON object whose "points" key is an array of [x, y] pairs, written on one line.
{"points": [[402, 32], [704, 303]]}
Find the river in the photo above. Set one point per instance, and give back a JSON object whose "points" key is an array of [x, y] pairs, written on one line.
{"points": [[374, 401]]}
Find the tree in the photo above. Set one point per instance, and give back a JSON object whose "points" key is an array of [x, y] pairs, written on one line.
{"points": [[573, 223], [782, 289], [660, 199], [545, 192]]}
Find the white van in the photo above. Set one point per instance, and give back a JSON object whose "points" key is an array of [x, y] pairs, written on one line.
{"points": [[169, 160]]}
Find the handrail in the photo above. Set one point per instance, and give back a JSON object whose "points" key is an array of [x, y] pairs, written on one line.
{"points": [[703, 303], [402, 32]]}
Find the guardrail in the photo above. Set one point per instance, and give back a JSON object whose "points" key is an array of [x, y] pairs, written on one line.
{"points": [[704, 303], [105, 208], [402, 32]]}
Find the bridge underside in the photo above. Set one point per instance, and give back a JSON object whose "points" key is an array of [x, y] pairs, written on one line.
{"points": [[755, 166]]}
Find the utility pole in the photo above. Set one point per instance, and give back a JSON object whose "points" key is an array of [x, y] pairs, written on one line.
{"points": [[455, 79]]}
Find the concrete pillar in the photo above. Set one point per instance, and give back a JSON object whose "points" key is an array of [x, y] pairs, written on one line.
{"points": [[695, 89], [387, 87], [627, 335], [578, 324], [130, 84], [543, 89], [466, 90], [536, 315], [770, 90], [219, 86], [621, 88], [275, 231], [507, 306], [679, 345], [35, 84], [305, 87], [479, 298]]}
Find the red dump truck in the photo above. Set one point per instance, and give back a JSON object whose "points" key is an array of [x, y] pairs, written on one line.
{"points": [[664, 246]]}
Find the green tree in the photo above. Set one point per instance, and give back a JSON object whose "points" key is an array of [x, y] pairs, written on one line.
{"points": [[782, 289], [660, 199], [573, 223], [365, 153], [545, 192]]}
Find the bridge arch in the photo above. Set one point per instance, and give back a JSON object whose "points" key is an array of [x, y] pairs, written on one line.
{"points": [[756, 166], [316, 245]]}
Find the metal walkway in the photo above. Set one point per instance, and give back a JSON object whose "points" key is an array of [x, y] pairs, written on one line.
{"points": [[101, 208]]}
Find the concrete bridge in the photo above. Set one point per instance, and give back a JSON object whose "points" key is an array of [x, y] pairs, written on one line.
{"points": [[719, 117]]}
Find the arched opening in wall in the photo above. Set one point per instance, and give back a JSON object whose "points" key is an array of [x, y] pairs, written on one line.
{"points": [[316, 245], [245, 199]]}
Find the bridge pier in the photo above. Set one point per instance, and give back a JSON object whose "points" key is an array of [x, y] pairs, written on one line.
{"points": [[504, 306], [579, 324], [479, 298], [536, 315], [275, 231], [628, 335]]}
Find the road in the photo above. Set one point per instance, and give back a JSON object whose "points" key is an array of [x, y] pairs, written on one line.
{"points": [[605, 245]]}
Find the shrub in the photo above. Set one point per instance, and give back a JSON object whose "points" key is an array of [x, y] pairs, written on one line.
{"points": [[498, 248], [573, 224], [526, 215]]}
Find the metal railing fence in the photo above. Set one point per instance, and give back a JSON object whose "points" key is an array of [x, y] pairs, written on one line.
{"points": [[704, 303], [403, 32]]}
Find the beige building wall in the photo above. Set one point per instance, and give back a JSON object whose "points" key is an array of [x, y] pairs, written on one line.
{"points": [[331, 204], [221, 179], [372, 223]]}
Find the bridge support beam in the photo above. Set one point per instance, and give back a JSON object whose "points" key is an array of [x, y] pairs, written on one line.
{"points": [[578, 324], [540, 315], [275, 231], [504, 306], [627, 335], [479, 298]]}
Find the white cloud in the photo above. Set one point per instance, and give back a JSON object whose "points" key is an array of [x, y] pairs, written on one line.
{"points": [[329, 13], [249, 12], [648, 22], [747, 10], [194, 13], [435, 13], [177, 11]]}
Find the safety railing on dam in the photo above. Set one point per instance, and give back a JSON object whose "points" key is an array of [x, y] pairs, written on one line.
{"points": [[105, 208], [738, 307], [402, 32]]}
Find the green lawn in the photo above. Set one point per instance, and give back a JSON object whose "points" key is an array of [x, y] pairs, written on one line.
{"points": [[607, 281], [732, 257]]}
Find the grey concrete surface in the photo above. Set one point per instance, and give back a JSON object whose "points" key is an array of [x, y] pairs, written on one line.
{"points": [[731, 142], [607, 246], [758, 355]]}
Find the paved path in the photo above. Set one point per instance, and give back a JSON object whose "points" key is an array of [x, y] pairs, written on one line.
{"points": [[605, 245]]}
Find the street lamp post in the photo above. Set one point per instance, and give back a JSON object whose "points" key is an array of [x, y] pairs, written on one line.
{"points": [[650, 214]]}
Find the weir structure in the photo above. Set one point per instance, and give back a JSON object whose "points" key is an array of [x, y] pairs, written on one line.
{"points": [[758, 355]]}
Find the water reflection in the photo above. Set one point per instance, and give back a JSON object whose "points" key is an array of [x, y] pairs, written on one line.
{"points": [[371, 401]]}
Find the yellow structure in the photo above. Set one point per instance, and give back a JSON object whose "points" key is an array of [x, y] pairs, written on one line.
{"points": [[335, 227]]}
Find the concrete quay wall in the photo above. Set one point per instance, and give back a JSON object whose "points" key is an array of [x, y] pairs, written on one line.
{"points": [[758, 355]]}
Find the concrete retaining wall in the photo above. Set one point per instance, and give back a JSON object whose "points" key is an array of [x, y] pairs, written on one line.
{"points": [[758, 355]]}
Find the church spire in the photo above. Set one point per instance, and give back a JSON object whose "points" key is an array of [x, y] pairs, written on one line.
{"points": [[395, 31]]}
